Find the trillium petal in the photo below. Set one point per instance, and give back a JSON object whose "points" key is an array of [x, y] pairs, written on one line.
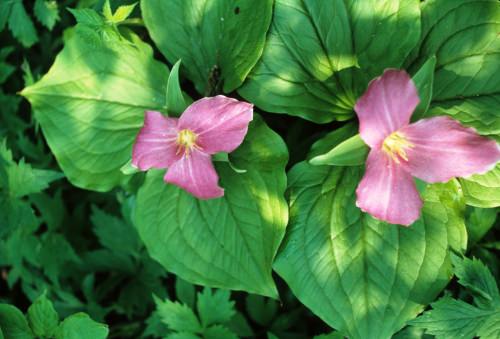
{"points": [[155, 146], [386, 106], [387, 191], [196, 174], [220, 122], [443, 149]]}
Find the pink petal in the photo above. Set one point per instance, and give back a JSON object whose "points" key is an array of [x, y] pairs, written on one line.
{"points": [[220, 122], [196, 174], [444, 149], [387, 191], [386, 106], [155, 146]]}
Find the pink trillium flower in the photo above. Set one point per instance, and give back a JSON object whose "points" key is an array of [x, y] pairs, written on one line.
{"points": [[185, 145], [434, 150]]}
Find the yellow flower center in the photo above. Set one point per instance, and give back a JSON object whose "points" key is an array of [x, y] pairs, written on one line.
{"points": [[186, 139], [395, 146]]}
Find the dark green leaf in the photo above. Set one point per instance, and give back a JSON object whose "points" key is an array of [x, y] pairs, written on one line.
{"points": [[424, 79], [178, 317], [13, 323], [175, 99], [214, 307], [46, 12], [20, 24]]}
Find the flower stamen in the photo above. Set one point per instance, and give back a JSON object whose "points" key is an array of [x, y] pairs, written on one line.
{"points": [[396, 145], [186, 139]]}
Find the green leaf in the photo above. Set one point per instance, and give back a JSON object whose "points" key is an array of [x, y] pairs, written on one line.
{"points": [[178, 317], [13, 323], [122, 13], [20, 24], [463, 35], [185, 292], [175, 99], [215, 307], [479, 221], [42, 317], [450, 318], [91, 105], [81, 326], [424, 79], [46, 12], [228, 242], [87, 16], [304, 70], [364, 277], [260, 309], [218, 41], [182, 335], [483, 190], [474, 275], [218, 332], [351, 152]]}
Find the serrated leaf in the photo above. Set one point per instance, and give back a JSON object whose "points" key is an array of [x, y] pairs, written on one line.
{"points": [[81, 326], [450, 318], [304, 70], [182, 335], [218, 332], [46, 12], [214, 307], [363, 277], [474, 275], [42, 317], [178, 317], [20, 24], [87, 16], [218, 41], [13, 323], [176, 104], [91, 105], [123, 12], [237, 234]]}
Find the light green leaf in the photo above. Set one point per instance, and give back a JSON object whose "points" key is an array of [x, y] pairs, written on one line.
{"points": [[42, 317], [123, 12], [91, 105], [218, 332], [81, 326], [451, 318], [175, 99], [214, 307], [351, 152], [218, 41], [46, 12], [483, 190], [364, 277], [228, 242], [20, 24], [178, 317], [424, 80], [13, 323], [304, 70]]}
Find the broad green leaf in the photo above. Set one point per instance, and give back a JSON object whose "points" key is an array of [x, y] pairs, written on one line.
{"points": [[364, 277], [451, 318], [13, 323], [178, 317], [320, 55], [483, 190], [479, 221], [424, 80], [81, 326], [218, 41], [463, 35], [351, 152], [228, 242], [214, 307], [42, 317], [20, 24], [176, 103], [46, 12], [91, 105]]}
